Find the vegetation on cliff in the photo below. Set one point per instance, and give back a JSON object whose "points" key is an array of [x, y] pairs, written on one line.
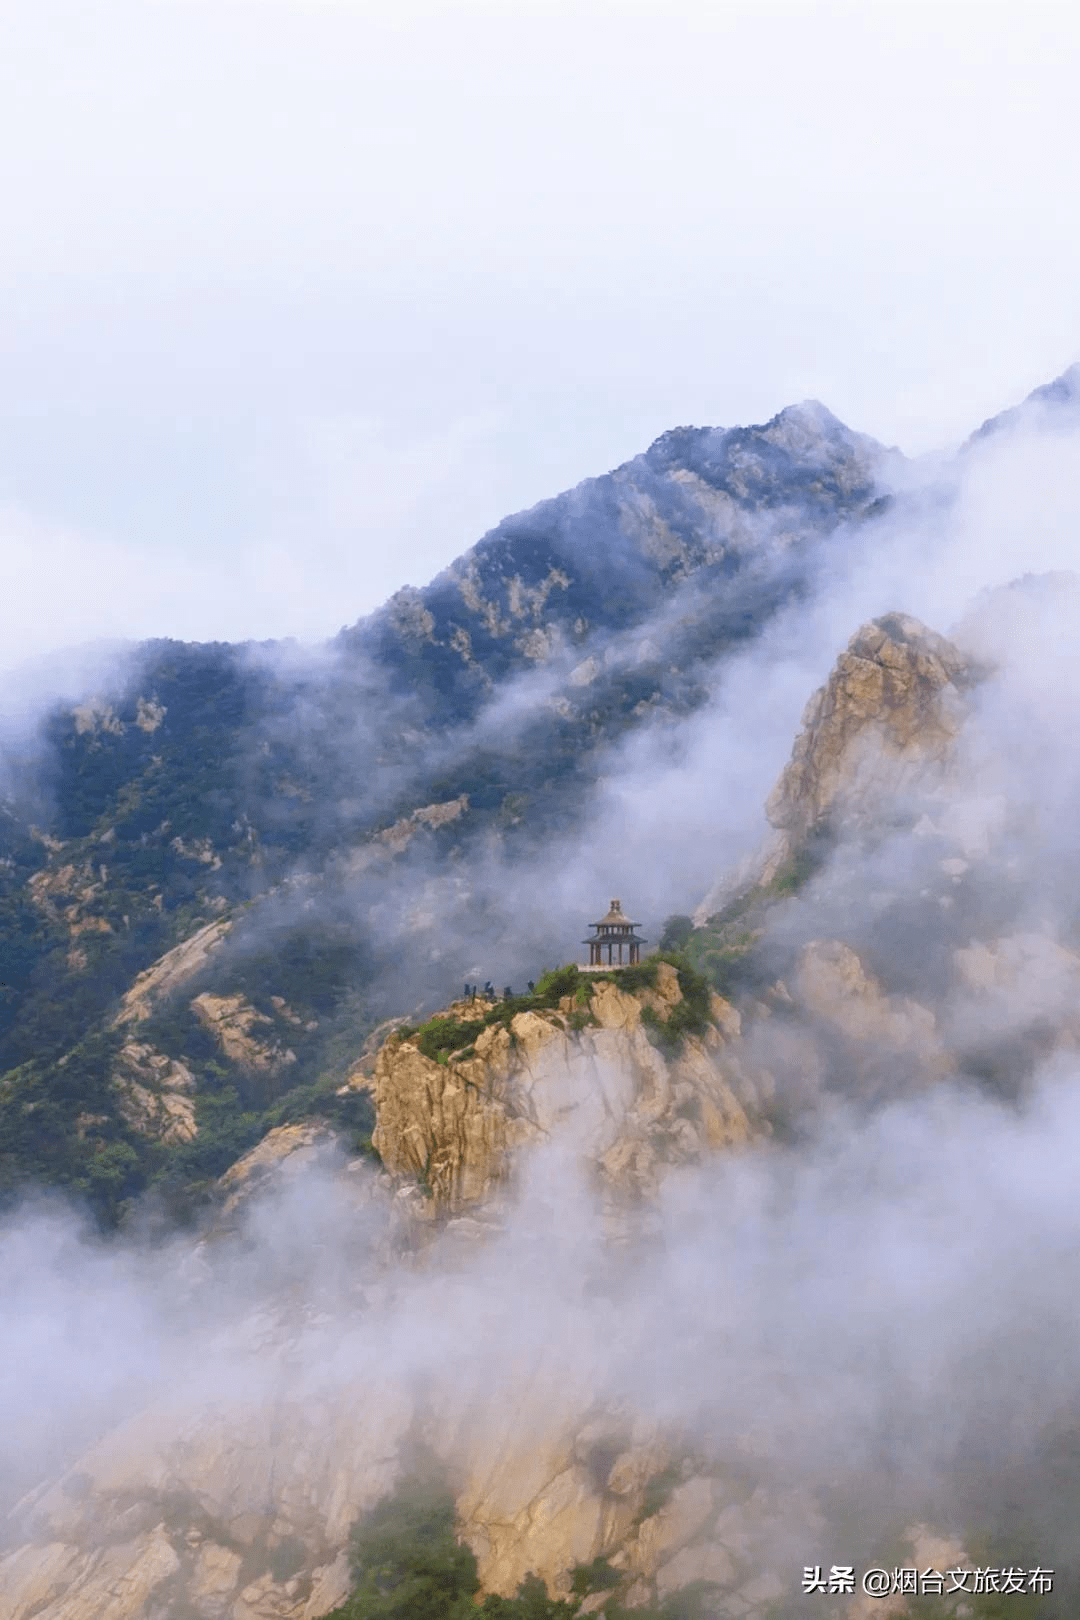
{"points": [[61, 1126], [444, 1037], [408, 1564], [723, 949]]}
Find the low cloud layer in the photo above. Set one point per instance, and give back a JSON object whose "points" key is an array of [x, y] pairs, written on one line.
{"points": [[883, 1313]]}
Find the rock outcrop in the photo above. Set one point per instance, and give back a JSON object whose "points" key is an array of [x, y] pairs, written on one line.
{"points": [[881, 1042], [172, 972], [155, 1093], [171, 1515], [587, 1072], [879, 733], [287, 1151], [244, 1035]]}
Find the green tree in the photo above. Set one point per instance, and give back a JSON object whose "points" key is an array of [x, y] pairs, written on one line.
{"points": [[532, 1603], [406, 1561]]}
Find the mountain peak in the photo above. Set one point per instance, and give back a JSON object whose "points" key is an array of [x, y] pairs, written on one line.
{"points": [[889, 710], [811, 414], [1055, 403], [808, 427]]}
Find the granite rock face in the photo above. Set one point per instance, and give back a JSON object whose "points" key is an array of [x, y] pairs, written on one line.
{"points": [[167, 976], [244, 1035], [880, 732], [170, 1518], [457, 1125], [155, 1093]]}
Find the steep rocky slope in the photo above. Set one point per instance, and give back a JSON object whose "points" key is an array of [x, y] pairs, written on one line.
{"points": [[881, 731]]}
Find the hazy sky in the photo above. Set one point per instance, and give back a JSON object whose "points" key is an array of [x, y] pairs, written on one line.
{"points": [[298, 298]]}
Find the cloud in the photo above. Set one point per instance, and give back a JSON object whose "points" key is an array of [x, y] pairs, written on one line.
{"points": [[882, 1312]]}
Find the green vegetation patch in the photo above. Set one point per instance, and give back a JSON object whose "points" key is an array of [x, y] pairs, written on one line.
{"points": [[659, 1489], [797, 871], [690, 1016], [598, 1576], [642, 976], [442, 1038], [406, 1561], [59, 1125]]}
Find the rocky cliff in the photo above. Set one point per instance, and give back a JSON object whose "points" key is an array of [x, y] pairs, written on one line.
{"points": [[584, 1071], [879, 734], [230, 1496]]}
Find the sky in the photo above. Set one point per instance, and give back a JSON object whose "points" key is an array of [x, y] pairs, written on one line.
{"points": [[298, 299]]}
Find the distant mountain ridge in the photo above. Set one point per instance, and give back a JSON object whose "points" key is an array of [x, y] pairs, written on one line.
{"points": [[1058, 400], [702, 503]]}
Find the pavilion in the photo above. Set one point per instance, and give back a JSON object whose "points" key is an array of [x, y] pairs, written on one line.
{"points": [[614, 942]]}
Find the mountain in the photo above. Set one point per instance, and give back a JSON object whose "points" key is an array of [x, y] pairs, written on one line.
{"points": [[1054, 405], [223, 869], [643, 1291]]}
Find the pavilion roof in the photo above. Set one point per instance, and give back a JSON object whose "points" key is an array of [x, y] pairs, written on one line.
{"points": [[615, 917]]}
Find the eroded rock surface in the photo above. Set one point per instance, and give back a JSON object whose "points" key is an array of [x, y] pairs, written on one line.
{"points": [[882, 729], [456, 1125], [172, 971], [156, 1093], [245, 1035], [172, 1515]]}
